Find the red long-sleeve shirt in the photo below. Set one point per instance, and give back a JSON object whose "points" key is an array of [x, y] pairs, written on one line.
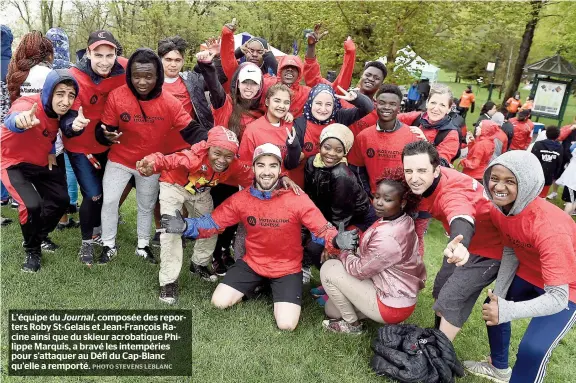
{"points": [[273, 222], [313, 76], [522, 134]]}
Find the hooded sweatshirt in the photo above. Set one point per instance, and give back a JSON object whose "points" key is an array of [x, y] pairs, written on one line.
{"points": [[191, 168], [94, 91], [300, 92], [16, 143], [449, 146], [550, 154], [523, 131], [145, 122], [542, 236], [482, 151]]}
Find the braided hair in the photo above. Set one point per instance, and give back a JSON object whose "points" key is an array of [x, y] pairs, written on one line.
{"points": [[395, 177], [33, 49]]}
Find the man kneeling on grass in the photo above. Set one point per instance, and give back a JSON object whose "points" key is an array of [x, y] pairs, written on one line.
{"points": [[273, 218]]}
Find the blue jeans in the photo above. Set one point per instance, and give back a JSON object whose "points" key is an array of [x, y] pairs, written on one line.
{"points": [[541, 337], [5, 195], [71, 181], [90, 181]]}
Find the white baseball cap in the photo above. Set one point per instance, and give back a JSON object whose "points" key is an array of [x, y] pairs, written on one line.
{"points": [[267, 150], [250, 72]]}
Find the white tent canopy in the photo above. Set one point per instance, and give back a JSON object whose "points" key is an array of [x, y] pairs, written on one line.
{"points": [[413, 63]]}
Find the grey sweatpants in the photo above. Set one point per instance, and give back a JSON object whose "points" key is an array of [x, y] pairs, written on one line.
{"points": [[116, 177]]}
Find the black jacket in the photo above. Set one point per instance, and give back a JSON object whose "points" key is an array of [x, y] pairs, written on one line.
{"points": [[412, 354], [550, 155], [337, 193], [508, 128], [195, 85]]}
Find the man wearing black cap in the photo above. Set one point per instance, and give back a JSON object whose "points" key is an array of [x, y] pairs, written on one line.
{"points": [[97, 73]]}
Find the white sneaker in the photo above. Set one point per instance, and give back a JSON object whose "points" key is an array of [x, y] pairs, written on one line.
{"points": [[552, 195], [488, 371]]}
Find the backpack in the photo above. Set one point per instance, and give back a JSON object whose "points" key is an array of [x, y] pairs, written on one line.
{"points": [[440, 136]]}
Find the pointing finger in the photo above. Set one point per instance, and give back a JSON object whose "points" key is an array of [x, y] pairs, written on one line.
{"points": [[33, 110]]}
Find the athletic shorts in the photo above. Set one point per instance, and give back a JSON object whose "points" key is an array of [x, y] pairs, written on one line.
{"points": [[568, 194], [456, 289], [284, 289]]}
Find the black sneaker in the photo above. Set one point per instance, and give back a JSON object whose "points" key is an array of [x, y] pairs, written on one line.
{"points": [[156, 240], [14, 205], [72, 209], [5, 221], [48, 245], [203, 272], [5, 202], [107, 254], [70, 225], [32, 263], [219, 267], [169, 293], [146, 253], [86, 254], [97, 240], [227, 259]]}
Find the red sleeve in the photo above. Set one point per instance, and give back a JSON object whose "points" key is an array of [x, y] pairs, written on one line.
{"points": [[454, 203], [529, 132], [355, 156], [109, 116], [408, 118], [222, 114], [242, 174], [227, 58], [312, 75], [557, 258], [345, 76], [186, 158], [180, 118], [22, 104], [565, 132], [449, 146], [313, 220], [247, 145], [475, 156]]}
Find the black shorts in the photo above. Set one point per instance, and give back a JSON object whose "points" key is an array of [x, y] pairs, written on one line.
{"points": [[284, 289], [568, 195], [456, 289]]}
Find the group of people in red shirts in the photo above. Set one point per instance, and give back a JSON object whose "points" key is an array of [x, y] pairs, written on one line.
{"points": [[329, 175]]}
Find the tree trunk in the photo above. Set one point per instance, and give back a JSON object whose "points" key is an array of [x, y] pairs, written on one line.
{"points": [[524, 48]]}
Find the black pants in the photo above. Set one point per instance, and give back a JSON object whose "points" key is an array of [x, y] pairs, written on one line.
{"points": [[219, 194], [463, 112], [412, 105], [43, 198]]}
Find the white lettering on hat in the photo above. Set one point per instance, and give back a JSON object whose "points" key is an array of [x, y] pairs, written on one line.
{"points": [[102, 35]]}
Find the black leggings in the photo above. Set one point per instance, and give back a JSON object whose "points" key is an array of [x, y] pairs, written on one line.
{"points": [[219, 194]]}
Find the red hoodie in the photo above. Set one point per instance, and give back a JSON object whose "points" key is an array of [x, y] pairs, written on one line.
{"points": [[300, 92], [92, 98], [481, 152], [191, 166], [522, 134]]}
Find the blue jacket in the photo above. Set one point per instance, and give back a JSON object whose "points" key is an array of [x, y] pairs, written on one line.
{"points": [[413, 93]]}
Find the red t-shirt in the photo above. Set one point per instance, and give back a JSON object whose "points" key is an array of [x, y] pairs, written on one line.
{"points": [[141, 135], [544, 240], [92, 98], [261, 132], [33, 145], [365, 122], [174, 142], [456, 195], [378, 150], [273, 241]]}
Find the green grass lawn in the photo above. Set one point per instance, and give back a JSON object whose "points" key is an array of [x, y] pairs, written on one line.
{"points": [[241, 344], [481, 95]]}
